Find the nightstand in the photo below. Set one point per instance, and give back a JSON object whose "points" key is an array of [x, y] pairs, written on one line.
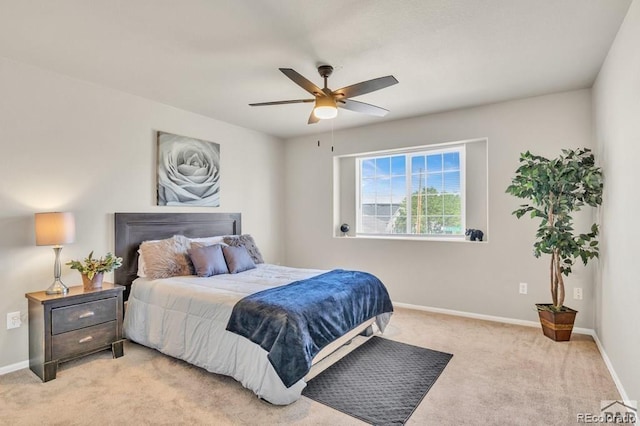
{"points": [[65, 327]]}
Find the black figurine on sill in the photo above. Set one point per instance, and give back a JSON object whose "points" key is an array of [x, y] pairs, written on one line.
{"points": [[344, 228], [474, 234]]}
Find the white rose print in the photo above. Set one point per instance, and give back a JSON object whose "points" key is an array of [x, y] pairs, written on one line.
{"points": [[188, 171]]}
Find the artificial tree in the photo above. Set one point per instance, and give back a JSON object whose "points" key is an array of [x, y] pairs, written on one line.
{"points": [[556, 188]]}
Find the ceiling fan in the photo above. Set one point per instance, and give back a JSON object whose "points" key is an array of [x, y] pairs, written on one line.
{"points": [[327, 101]]}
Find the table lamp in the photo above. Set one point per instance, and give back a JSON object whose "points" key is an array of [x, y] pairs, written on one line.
{"points": [[55, 229]]}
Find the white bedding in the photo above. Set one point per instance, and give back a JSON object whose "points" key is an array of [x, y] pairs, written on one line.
{"points": [[185, 317]]}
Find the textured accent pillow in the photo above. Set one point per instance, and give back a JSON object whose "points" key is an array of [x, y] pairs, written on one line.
{"points": [[166, 258], [208, 260], [245, 240], [238, 259]]}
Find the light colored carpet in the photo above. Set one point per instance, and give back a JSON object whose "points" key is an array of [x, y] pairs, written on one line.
{"points": [[499, 374]]}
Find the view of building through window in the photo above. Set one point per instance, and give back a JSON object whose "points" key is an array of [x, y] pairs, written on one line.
{"points": [[418, 193]]}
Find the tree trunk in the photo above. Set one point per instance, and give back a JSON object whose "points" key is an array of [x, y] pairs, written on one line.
{"points": [[560, 285], [557, 283], [552, 280]]}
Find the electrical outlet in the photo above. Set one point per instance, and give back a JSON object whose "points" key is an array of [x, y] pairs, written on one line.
{"points": [[13, 320], [577, 293], [523, 288]]}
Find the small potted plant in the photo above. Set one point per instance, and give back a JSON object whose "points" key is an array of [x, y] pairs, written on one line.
{"points": [[556, 188], [92, 269]]}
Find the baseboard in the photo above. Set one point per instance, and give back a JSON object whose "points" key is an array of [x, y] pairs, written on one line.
{"points": [[505, 320], [526, 323], [14, 367], [612, 371]]}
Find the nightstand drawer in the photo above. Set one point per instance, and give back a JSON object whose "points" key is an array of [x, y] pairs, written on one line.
{"points": [[87, 339], [83, 315]]}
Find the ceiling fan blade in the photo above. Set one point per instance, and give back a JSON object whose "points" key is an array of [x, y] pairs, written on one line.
{"points": [[312, 118], [366, 87], [356, 106], [294, 101], [302, 82]]}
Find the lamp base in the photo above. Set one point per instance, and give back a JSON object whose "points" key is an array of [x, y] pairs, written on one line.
{"points": [[57, 288]]}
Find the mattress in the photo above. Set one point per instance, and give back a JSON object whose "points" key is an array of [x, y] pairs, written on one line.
{"points": [[186, 317]]}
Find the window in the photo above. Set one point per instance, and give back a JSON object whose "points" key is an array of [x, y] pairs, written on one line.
{"points": [[412, 193], [431, 192]]}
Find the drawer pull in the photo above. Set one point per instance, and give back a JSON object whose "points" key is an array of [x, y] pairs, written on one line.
{"points": [[87, 314], [85, 339]]}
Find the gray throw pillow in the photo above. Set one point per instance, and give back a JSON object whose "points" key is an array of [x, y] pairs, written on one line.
{"points": [[238, 259], [208, 260], [245, 240]]}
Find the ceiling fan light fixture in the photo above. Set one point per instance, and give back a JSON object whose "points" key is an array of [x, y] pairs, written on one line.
{"points": [[325, 108]]}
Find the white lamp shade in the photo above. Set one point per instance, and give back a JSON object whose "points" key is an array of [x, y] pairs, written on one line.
{"points": [[325, 108], [55, 228]]}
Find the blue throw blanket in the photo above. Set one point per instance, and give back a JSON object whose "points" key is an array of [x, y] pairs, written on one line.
{"points": [[294, 322]]}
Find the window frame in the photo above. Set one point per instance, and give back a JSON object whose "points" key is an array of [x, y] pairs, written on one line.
{"points": [[409, 153]]}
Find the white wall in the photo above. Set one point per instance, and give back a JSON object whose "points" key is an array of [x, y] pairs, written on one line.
{"points": [[617, 122], [473, 277], [68, 145]]}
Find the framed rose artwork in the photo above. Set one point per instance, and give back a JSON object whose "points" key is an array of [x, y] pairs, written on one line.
{"points": [[188, 171]]}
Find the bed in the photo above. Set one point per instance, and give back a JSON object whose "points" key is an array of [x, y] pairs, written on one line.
{"points": [[200, 319]]}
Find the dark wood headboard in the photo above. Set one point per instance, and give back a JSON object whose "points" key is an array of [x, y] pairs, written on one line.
{"points": [[134, 228]]}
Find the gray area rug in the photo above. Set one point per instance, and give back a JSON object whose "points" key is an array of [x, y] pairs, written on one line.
{"points": [[381, 382]]}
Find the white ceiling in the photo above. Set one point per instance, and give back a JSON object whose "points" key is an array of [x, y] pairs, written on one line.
{"points": [[214, 57]]}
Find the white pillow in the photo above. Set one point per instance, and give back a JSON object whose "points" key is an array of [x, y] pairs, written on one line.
{"points": [[208, 241]]}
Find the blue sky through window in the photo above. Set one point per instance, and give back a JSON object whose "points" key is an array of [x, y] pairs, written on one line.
{"points": [[451, 161], [383, 166], [451, 182], [398, 165], [434, 163], [369, 168]]}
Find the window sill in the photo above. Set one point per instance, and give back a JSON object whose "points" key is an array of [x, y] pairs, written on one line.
{"points": [[408, 238]]}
